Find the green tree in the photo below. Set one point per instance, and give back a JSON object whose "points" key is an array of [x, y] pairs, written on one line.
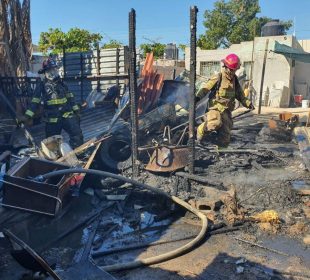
{"points": [[182, 47], [74, 40], [231, 22], [158, 49], [112, 44]]}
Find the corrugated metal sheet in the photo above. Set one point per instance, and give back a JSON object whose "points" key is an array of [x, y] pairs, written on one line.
{"points": [[86, 63], [94, 121]]}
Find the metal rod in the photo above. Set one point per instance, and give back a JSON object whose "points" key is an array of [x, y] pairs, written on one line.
{"points": [[173, 74], [133, 92], [191, 130], [262, 79], [262, 247], [252, 55], [252, 63], [157, 243], [64, 61], [117, 65], [98, 67], [100, 77], [241, 114], [81, 77], [31, 254], [198, 178]]}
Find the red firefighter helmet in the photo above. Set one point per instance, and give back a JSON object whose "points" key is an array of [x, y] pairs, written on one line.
{"points": [[232, 61]]}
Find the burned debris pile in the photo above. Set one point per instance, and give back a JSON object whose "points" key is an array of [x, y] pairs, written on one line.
{"points": [[135, 194], [251, 188]]}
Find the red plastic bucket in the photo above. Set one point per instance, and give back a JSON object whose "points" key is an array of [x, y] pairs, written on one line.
{"points": [[298, 99]]}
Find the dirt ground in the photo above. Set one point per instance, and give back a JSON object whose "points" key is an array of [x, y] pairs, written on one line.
{"points": [[263, 180]]}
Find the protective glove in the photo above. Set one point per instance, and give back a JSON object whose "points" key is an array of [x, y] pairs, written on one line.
{"points": [[21, 120], [251, 106]]}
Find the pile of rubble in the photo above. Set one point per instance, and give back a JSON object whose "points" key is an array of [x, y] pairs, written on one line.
{"points": [[257, 186]]}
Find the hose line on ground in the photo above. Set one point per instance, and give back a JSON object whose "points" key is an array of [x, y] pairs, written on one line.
{"points": [[152, 260]]}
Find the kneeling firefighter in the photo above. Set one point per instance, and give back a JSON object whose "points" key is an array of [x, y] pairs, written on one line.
{"points": [[60, 109], [223, 89]]}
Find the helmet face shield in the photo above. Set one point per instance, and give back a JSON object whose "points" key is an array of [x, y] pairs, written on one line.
{"points": [[47, 65], [52, 74]]}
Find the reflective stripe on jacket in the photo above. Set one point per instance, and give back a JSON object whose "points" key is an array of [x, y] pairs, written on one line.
{"points": [[229, 90], [57, 100]]}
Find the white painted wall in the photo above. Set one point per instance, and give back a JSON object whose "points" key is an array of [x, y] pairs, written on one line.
{"points": [[278, 68], [301, 79]]}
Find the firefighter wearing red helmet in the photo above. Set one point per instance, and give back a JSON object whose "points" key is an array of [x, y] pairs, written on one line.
{"points": [[60, 110], [223, 89]]}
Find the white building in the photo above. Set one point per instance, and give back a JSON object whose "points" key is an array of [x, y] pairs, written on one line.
{"points": [[292, 77]]}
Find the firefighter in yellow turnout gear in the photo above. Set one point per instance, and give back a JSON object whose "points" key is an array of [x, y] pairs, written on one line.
{"points": [[219, 119]]}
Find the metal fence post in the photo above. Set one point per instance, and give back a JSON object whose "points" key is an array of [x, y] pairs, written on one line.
{"points": [[133, 92], [262, 78], [64, 61], [192, 103], [98, 67], [82, 77]]}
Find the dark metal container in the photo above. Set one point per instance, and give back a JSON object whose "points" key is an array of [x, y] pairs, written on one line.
{"points": [[273, 28], [20, 191]]}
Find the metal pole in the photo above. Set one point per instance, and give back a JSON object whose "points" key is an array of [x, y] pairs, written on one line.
{"points": [[173, 74], [98, 67], [82, 77], [252, 64], [64, 61], [262, 79], [117, 65], [192, 77], [133, 92], [252, 56]]}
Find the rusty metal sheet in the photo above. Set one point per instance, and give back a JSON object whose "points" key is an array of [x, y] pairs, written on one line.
{"points": [[166, 159], [150, 89]]}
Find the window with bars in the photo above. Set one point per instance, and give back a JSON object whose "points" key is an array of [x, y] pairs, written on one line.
{"points": [[247, 69], [209, 68]]}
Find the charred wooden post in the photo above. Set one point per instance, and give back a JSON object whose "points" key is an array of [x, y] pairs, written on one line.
{"points": [[191, 141], [133, 92]]}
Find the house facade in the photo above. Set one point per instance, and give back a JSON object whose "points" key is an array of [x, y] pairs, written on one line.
{"points": [[292, 77]]}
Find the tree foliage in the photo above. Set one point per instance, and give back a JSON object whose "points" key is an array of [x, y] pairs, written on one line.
{"points": [[231, 22], [112, 44], [158, 49], [182, 47], [76, 39]]}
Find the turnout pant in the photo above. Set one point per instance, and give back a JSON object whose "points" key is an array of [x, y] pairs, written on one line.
{"points": [[222, 123], [71, 126]]}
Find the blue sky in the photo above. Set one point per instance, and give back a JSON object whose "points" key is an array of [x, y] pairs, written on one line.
{"points": [[166, 21]]}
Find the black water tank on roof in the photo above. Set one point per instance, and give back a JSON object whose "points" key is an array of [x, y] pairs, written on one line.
{"points": [[171, 52], [273, 28]]}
